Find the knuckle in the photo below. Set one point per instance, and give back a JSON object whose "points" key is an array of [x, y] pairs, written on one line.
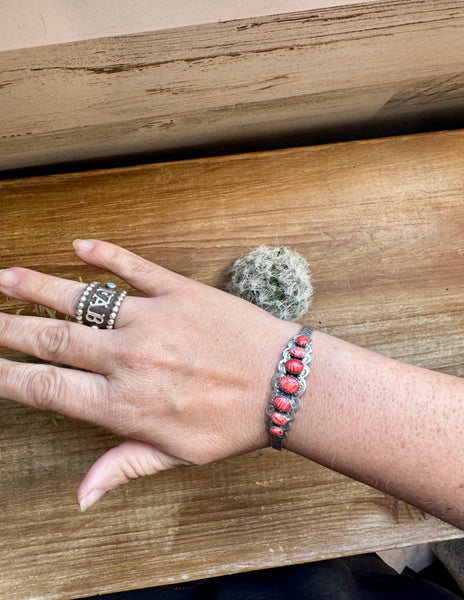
{"points": [[135, 357], [4, 371], [136, 264], [53, 340], [4, 327], [129, 261], [131, 469], [135, 466], [45, 388]]}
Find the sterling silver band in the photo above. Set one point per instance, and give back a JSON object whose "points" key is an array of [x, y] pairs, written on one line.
{"points": [[99, 304]]}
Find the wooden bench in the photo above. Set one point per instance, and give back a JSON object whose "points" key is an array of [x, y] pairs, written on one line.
{"points": [[387, 66], [381, 223]]}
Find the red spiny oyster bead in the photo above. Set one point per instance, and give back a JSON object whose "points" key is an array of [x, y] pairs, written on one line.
{"points": [[294, 366], [275, 431], [282, 404], [289, 384], [302, 340], [297, 352], [278, 419]]}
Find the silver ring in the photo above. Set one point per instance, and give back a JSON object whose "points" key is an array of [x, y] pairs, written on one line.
{"points": [[99, 304]]}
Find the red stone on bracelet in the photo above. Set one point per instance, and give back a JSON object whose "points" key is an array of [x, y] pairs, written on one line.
{"points": [[288, 386], [278, 418], [275, 431], [282, 403], [297, 352], [294, 366]]}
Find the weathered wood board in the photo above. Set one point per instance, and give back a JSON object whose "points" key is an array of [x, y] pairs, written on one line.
{"points": [[363, 65]]}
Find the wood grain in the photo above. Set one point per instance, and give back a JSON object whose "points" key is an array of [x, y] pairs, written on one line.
{"points": [[381, 223], [232, 82], [39, 23]]}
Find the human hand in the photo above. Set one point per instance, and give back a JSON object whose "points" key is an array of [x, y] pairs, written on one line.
{"points": [[185, 375]]}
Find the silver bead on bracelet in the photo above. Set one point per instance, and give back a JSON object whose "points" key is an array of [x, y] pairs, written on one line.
{"points": [[288, 384]]}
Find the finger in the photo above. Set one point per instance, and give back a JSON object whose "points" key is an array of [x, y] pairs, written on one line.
{"points": [[73, 393], [59, 294], [57, 341], [130, 460], [142, 274]]}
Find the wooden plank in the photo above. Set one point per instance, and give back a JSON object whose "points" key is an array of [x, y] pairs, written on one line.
{"points": [[232, 82], [381, 223], [38, 22]]}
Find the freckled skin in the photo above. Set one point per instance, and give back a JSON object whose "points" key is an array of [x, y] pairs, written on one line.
{"points": [[394, 426]]}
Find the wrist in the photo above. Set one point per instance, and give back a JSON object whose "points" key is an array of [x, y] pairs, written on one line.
{"points": [[288, 385], [288, 372], [274, 339], [302, 438]]}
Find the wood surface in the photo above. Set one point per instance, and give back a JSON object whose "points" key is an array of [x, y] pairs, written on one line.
{"points": [[381, 223], [39, 23], [363, 65]]}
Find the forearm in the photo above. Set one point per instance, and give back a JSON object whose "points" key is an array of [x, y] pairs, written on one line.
{"points": [[394, 426]]}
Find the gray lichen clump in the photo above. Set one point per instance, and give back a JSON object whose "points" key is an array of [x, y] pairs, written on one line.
{"points": [[275, 279]]}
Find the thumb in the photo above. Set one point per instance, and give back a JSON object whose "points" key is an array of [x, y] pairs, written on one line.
{"points": [[129, 460]]}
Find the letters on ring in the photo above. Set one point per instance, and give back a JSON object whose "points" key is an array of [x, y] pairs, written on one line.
{"points": [[100, 299], [93, 317]]}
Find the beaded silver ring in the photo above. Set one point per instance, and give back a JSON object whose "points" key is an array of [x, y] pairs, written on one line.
{"points": [[98, 305], [288, 385]]}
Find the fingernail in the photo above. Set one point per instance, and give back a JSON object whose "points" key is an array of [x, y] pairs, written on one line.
{"points": [[89, 499], [83, 245], [8, 278]]}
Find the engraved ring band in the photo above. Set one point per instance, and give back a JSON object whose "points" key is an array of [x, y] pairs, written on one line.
{"points": [[99, 304]]}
